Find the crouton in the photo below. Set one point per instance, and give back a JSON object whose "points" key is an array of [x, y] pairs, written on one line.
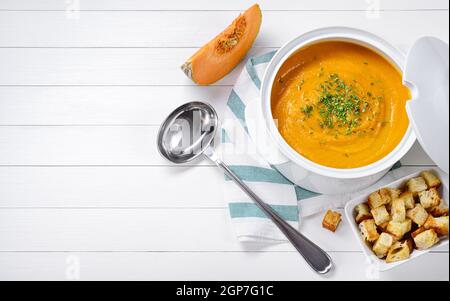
{"points": [[398, 252], [418, 215], [410, 243], [426, 239], [408, 199], [441, 226], [398, 210], [383, 227], [368, 230], [378, 199], [385, 194], [362, 213], [383, 245], [394, 193], [438, 224], [430, 198], [395, 222], [439, 210], [417, 232], [375, 200], [331, 220], [431, 179], [399, 229], [417, 185], [429, 223], [380, 215]]}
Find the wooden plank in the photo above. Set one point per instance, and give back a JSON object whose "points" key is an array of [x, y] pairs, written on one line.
{"points": [[119, 66], [101, 105], [149, 187], [80, 145], [220, 5], [99, 67], [96, 145], [157, 29], [162, 230], [128, 230], [115, 187], [197, 266]]}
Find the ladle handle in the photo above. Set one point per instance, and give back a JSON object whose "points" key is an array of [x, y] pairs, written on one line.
{"points": [[317, 258]]}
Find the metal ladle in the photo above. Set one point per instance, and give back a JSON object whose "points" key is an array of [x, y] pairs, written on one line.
{"points": [[188, 133]]}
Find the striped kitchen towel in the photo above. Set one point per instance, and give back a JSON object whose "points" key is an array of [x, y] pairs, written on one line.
{"points": [[239, 152]]}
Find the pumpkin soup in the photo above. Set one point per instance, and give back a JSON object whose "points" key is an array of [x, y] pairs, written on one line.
{"points": [[340, 105]]}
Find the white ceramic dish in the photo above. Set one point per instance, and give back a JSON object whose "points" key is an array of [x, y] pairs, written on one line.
{"points": [[380, 263], [291, 164]]}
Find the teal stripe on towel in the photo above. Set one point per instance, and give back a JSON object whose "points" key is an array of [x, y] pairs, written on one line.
{"points": [[225, 137], [263, 58], [242, 210], [258, 174], [396, 166], [237, 106], [252, 73], [250, 67], [303, 194]]}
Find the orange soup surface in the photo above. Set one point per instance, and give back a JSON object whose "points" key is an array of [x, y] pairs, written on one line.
{"points": [[340, 105]]}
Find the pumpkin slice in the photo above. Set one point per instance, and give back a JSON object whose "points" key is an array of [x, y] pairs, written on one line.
{"points": [[220, 56]]}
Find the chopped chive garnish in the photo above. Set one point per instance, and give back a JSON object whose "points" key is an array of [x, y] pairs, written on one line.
{"points": [[308, 110]]}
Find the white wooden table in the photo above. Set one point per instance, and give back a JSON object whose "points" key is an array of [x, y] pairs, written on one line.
{"points": [[83, 192]]}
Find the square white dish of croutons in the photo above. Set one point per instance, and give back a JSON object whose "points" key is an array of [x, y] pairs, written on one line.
{"points": [[402, 220]]}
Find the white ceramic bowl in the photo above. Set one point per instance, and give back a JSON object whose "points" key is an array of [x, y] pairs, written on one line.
{"points": [[380, 263], [297, 168]]}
